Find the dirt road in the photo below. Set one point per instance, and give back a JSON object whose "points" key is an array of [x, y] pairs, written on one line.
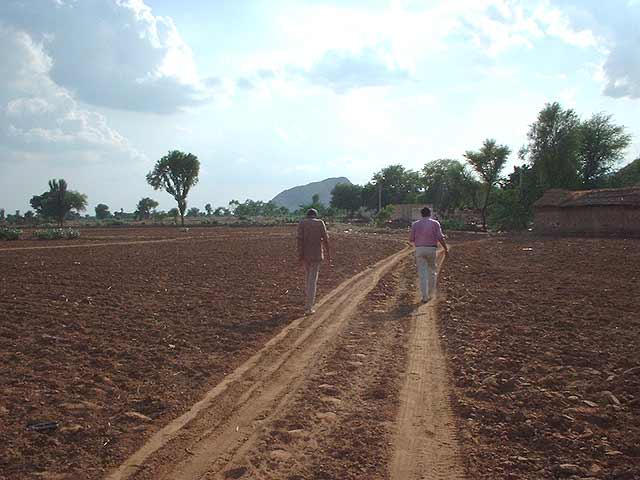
{"points": [[359, 390]]}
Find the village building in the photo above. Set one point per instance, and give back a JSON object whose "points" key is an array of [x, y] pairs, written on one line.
{"points": [[606, 211], [409, 212]]}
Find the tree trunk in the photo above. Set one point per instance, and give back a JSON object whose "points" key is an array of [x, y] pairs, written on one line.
{"points": [[484, 209]]}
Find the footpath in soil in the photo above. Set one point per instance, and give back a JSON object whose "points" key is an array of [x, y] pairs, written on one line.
{"points": [[114, 341], [340, 423], [542, 336]]}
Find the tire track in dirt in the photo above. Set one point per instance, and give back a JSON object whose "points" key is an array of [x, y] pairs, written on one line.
{"points": [[339, 422], [224, 425], [426, 446]]}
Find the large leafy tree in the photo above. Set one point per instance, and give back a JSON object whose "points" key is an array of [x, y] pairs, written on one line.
{"points": [[488, 162], [554, 147], [602, 144], [346, 196], [102, 211], [144, 207], [449, 185], [392, 185], [176, 173], [59, 201]]}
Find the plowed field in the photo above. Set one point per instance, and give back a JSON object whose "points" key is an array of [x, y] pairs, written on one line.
{"points": [[544, 341], [114, 336]]}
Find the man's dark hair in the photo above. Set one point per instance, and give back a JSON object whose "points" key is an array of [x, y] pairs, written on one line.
{"points": [[312, 212], [426, 212]]}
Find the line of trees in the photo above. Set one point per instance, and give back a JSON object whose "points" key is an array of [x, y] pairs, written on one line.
{"points": [[562, 151]]}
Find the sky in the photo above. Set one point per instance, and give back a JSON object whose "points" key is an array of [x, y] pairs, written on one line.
{"points": [[270, 94]]}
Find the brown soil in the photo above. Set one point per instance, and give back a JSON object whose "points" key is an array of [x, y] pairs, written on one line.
{"points": [[113, 341], [543, 338]]}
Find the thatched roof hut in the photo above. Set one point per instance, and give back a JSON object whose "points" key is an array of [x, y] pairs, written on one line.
{"points": [[613, 210]]}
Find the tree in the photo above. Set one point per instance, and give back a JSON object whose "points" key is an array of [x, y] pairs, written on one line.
{"points": [[488, 162], [602, 144], [102, 211], [346, 196], [315, 203], [144, 207], [28, 217], [174, 212], [449, 185], [176, 173], [627, 176], [58, 202], [221, 212], [193, 212], [209, 209], [554, 147], [391, 185], [2, 215]]}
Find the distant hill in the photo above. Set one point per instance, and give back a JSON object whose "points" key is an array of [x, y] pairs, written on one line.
{"points": [[296, 196]]}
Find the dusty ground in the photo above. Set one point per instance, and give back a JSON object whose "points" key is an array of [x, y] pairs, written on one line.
{"points": [[543, 340], [340, 422], [113, 341]]}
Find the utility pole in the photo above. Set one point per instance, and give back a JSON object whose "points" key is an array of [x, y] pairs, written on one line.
{"points": [[379, 196]]}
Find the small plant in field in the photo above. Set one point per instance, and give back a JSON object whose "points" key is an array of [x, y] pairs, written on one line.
{"points": [[384, 215], [56, 234], [10, 233]]}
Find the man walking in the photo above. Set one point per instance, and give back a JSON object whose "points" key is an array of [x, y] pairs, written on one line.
{"points": [[426, 234], [312, 237]]}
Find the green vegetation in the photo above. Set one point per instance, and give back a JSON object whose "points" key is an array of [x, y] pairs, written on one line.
{"points": [[10, 233], [562, 151], [488, 162], [102, 211], [176, 173], [384, 215], [144, 208], [627, 176], [56, 234], [58, 202], [346, 196]]}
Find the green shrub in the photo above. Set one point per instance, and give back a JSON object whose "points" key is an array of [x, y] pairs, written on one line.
{"points": [[10, 233], [453, 224], [384, 215], [56, 234]]}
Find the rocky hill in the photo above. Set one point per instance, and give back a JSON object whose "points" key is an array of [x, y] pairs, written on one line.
{"points": [[296, 196]]}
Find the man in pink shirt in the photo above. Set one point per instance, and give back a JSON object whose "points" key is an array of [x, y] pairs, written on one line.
{"points": [[426, 234]]}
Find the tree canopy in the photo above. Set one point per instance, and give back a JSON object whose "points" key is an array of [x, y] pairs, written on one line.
{"points": [[176, 173], [102, 211], [59, 201], [391, 185], [346, 196], [449, 185], [488, 162], [144, 207], [602, 144], [554, 147]]}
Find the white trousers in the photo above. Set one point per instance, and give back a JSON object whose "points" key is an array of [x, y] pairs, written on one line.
{"points": [[311, 270], [427, 271]]}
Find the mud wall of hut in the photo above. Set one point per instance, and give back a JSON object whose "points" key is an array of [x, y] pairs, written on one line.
{"points": [[588, 219]]}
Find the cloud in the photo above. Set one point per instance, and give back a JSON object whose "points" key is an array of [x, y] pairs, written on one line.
{"points": [[112, 53], [342, 70], [36, 114], [616, 25]]}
